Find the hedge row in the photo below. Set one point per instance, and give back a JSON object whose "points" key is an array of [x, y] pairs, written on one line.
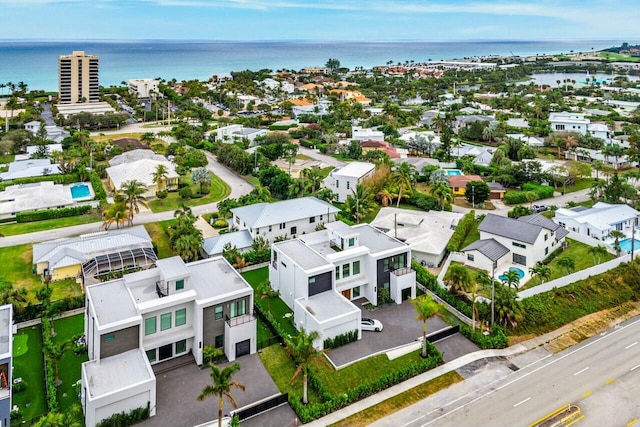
{"points": [[530, 192], [124, 419], [430, 281], [340, 340], [310, 412], [98, 189], [52, 213], [35, 311], [495, 340], [275, 325], [463, 229], [50, 369]]}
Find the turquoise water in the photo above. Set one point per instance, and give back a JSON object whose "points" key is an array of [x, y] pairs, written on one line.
{"points": [[80, 191], [520, 272], [456, 172], [626, 244]]}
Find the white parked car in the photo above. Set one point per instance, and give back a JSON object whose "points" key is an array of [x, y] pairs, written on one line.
{"points": [[371, 324]]}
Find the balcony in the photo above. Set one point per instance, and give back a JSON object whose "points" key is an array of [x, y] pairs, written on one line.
{"points": [[240, 320], [402, 271]]}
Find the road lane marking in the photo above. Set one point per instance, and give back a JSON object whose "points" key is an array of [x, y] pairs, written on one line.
{"points": [[632, 422], [521, 402], [630, 345], [581, 371], [587, 394], [635, 367], [610, 381]]}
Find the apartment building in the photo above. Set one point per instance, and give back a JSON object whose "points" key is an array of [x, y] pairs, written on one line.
{"points": [[78, 80]]}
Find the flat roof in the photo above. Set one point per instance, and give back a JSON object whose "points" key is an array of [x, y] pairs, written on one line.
{"points": [[111, 302], [355, 169], [172, 268], [327, 305], [6, 328], [115, 373], [214, 277], [302, 254], [376, 240]]}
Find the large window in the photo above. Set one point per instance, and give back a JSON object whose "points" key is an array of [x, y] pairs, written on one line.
{"points": [[356, 267], [179, 284], [165, 321], [150, 325], [219, 341], [337, 272], [219, 311], [151, 355], [181, 346], [181, 317], [352, 241], [238, 308], [345, 270], [356, 292]]}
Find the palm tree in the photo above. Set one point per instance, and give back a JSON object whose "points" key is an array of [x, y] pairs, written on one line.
{"points": [[425, 307], [403, 177], [597, 252], [509, 310], [457, 278], [262, 193], [201, 176], [568, 263], [314, 175], [543, 272], [472, 287], [385, 196], [221, 387], [617, 235], [12, 295], [58, 419], [300, 348], [359, 203], [511, 278], [117, 213], [133, 192], [160, 176], [299, 188], [442, 192], [264, 291]]}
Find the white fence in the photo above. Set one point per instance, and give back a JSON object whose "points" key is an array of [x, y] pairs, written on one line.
{"points": [[574, 277], [591, 241]]}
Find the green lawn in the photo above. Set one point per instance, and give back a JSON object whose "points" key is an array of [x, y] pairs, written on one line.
{"points": [[473, 234], [581, 184], [160, 238], [581, 257], [619, 57], [30, 367], [70, 364], [16, 268], [254, 181], [218, 190], [31, 227]]}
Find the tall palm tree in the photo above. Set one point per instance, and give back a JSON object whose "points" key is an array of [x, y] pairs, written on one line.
{"points": [[160, 176], [509, 310], [617, 235], [442, 192], [359, 203], [457, 278], [314, 175], [425, 307], [117, 213], [403, 177], [473, 286], [133, 192], [221, 387], [511, 278], [302, 351], [299, 188], [543, 272]]}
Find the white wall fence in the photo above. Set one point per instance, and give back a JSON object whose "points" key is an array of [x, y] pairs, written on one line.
{"points": [[574, 277], [591, 241]]}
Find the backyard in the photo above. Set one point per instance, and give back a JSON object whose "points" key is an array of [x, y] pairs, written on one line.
{"points": [[159, 236], [218, 190], [28, 364], [12, 229]]}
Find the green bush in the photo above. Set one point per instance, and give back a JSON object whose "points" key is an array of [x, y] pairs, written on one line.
{"points": [[185, 193], [463, 229], [424, 202], [34, 311], [98, 189], [124, 419], [495, 340], [221, 223], [340, 340], [19, 387], [52, 213], [15, 414], [430, 281], [530, 192]]}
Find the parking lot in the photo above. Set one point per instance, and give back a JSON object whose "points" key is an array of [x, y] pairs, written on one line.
{"points": [[400, 328]]}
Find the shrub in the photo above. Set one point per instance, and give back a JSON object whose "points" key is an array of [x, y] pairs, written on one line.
{"points": [[19, 387], [15, 414], [340, 340], [529, 193], [98, 189], [185, 193], [430, 281], [124, 419], [162, 194], [495, 340], [424, 202], [221, 223], [52, 213], [463, 229]]}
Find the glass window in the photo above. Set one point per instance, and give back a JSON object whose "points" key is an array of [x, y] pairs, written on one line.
{"points": [[345, 270], [219, 311], [294, 230], [151, 355], [312, 280], [181, 317], [337, 272], [385, 264], [181, 346], [179, 284], [348, 185], [219, 342], [356, 292], [352, 241], [356, 267], [470, 257], [312, 220], [238, 308], [109, 337], [150, 325], [165, 321]]}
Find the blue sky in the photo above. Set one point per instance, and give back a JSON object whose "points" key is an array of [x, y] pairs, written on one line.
{"points": [[321, 19]]}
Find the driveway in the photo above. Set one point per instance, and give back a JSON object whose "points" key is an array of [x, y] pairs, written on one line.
{"points": [[400, 327], [177, 391]]}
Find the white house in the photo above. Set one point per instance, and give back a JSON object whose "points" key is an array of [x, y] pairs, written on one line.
{"points": [[568, 121], [342, 181], [143, 88], [151, 316], [598, 221], [506, 241], [54, 133], [25, 167], [360, 133], [140, 165], [426, 233], [32, 197], [589, 155], [319, 274], [288, 218], [231, 133]]}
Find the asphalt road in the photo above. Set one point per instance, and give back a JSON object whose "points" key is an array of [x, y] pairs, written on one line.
{"points": [[601, 375]]}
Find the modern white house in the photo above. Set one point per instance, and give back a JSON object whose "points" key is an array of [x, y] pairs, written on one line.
{"points": [[360, 133], [231, 133], [599, 220], [520, 242], [289, 218], [342, 181], [426, 233], [151, 316], [140, 165], [568, 121], [143, 88], [318, 275], [6, 364]]}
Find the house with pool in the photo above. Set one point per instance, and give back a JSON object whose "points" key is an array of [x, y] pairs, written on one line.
{"points": [[517, 244], [140, 165], [599, 221]]}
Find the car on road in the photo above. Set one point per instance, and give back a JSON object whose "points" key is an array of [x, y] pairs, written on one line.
{"points": [[539, 208], [371, 324]]}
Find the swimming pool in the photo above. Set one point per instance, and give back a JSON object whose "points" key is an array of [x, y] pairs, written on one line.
{"points": [[520, 272], [456, 172], [80, 191], [626, 244]]}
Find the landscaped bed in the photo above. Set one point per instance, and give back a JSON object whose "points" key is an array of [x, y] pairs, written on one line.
{"points": [[218, 190]]}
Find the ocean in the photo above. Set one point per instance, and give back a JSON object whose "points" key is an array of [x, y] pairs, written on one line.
{"points": [[36, 62]]}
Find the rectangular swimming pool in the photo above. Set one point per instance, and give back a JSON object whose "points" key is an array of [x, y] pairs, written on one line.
{"points": [[80, 191], [626, 244], [456, 172]]}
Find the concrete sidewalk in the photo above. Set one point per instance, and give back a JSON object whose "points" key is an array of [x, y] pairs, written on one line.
{"points": [[436, 372]]}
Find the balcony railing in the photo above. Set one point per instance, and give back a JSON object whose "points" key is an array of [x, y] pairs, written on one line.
{"points": [[240, 320], [402, 271]]}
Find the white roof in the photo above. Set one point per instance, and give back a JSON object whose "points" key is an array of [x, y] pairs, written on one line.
{"points": [[116, 373], [39, 195], [265, 214], [567, 117], [134, 155], [354, 169], [33, 149], [29, 168], [602, 215], [141, 170], [111, 302], [598, 127]]}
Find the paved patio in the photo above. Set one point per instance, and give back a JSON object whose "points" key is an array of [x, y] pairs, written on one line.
{"points": [[400, 327], [177, 391]]}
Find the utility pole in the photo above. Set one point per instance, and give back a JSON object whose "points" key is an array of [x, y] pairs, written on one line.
{"points": [[493, 293]]}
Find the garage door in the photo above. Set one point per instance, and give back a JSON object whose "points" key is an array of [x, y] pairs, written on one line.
{"points": [[243, 347]]}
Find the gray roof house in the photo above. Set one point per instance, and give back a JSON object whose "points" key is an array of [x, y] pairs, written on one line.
{"points": [[241, 240], [528, 240]]}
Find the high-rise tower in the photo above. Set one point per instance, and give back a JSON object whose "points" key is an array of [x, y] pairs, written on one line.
{"points": [[78, 78]]}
